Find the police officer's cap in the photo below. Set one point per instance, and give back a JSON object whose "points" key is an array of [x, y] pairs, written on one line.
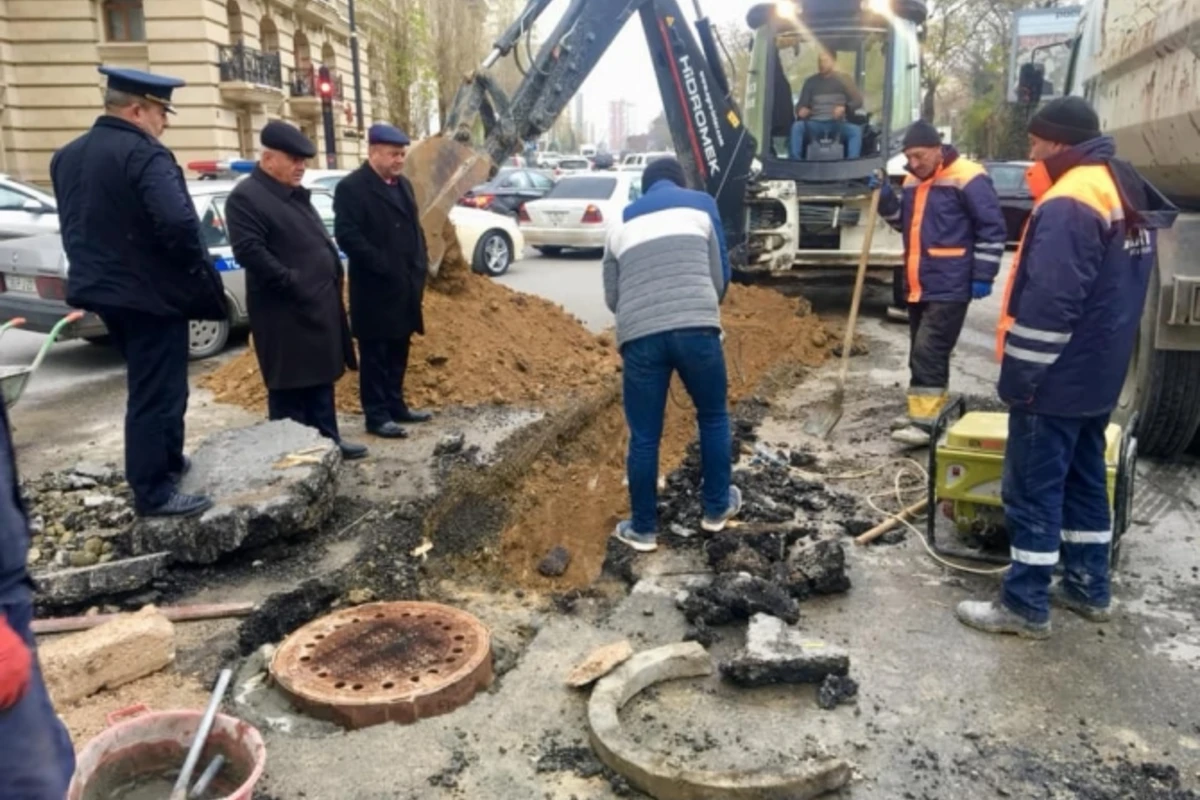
{"points": [[142, 84], [277, 135], [382, 133]]}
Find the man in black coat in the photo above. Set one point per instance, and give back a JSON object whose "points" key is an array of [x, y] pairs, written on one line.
{"points": [[132, 238], [293, 286], [378, 225]]}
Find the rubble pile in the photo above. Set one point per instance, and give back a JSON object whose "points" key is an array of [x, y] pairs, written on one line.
{"points": [[77, 518]]}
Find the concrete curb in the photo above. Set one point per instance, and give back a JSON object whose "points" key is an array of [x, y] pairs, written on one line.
{"points": [[654, 775]]}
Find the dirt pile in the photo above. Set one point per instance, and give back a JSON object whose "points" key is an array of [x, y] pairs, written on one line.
{"points": [[574, 497], [484, 343]]}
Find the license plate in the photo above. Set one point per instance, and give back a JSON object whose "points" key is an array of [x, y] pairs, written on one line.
{"points": [[17, 283], [556, 217]]}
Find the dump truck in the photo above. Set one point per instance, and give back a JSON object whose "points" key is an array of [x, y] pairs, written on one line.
{"points": [[1138, 63]]}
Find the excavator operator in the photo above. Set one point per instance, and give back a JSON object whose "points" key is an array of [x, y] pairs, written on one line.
{"points": [[821, 110]]}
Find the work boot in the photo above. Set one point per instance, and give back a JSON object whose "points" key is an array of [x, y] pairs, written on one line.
{"points": [[717, 524], [911, 436], [413, 417], [352, 451], [897, 314], [902, 421], [388, 430], [1061, 596], [994, 617], [642, 542], [176, 477], [179, 505]]}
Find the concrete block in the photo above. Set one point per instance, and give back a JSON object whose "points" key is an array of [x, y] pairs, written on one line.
{"points": [[775, 653], [269, 481], [653, 774], [106, 657], [601, 662], [77, 585]]}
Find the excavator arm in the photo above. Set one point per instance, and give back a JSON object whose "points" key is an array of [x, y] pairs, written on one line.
{"points": [[705, 122]]}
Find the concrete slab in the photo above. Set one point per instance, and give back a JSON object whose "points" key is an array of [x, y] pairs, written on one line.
{"points": [[77, 585], [269, 481], [114, 654], [776, 653]]}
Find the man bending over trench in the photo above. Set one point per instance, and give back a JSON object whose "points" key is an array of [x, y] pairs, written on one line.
{"points": [[666, 269]]}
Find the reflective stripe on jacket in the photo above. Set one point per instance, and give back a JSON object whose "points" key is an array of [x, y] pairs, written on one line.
{"points": [[1076, 291], [954, 231]]}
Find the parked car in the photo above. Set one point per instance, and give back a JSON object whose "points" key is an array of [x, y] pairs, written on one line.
{"points": [[491, 241], [323, 178], [505, 193], [1016, 201], [572, 165], [578, 211], [636, 162], [33, 275], [25, 210]]}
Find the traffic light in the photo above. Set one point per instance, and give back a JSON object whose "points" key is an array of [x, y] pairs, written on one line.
{"points": [[325, 92], [324, 83]]}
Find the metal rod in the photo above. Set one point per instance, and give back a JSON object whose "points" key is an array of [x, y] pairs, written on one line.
{"points": [[206, 777], [173, 613], [210, 714]]}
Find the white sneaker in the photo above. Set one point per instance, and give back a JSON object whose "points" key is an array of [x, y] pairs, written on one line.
{"points": [[911, 436]]}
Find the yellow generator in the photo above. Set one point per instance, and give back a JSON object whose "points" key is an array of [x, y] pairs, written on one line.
{"points": [[966, 466]]}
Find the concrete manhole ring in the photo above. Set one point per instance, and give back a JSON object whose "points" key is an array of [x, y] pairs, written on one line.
{"points": [[385, 662]]}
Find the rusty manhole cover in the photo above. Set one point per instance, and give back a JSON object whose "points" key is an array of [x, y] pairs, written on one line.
{"points": [[385, 662]]}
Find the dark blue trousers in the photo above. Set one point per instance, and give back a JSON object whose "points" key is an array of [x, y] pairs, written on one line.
{"points": [[381, 368], [155, 350], [313, 406], [696, 354], [1056, 502], [36, 756]]}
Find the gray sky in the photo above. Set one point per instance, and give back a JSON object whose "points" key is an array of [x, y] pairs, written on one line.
{"points": [[625, 70]]}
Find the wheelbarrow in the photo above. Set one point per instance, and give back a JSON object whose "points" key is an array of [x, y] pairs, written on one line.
{"points": [[13, 379]]}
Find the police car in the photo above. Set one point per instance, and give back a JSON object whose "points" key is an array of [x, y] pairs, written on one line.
{"points": [[33, 272]]}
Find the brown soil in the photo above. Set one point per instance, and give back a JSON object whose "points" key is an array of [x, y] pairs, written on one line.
{"points": [[484, 344], [163, 691], [574, 497]]}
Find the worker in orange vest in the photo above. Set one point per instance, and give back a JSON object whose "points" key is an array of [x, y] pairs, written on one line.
{"points": [[954, 236], [1071, 313]]}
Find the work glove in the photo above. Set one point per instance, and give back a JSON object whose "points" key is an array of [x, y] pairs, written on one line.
{"points": [[16, 664], [980, 289]]}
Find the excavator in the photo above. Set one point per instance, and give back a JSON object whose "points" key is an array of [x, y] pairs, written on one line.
{"points": [[1137, 61], [781, 212]]}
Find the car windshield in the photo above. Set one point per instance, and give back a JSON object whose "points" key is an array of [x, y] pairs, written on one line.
{"points": [[1008, 178], [583, 189]]}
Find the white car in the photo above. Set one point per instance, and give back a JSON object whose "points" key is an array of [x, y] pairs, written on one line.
{"points": [[636, 162], [571, 165], [323, 178], [491, 241], [25, 210], [578, 211]]}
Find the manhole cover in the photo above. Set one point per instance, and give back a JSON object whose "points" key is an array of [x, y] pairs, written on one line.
{"points": [[385, 662]]}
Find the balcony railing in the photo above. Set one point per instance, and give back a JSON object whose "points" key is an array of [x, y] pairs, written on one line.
{"points": [[302, 82], [247, 65]]}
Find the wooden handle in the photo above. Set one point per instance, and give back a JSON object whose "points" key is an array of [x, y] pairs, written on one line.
{"points": [[859, 281], [891, 522]]}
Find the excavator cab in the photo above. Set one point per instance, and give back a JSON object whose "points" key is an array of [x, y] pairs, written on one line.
{"points": [[870, 48]]}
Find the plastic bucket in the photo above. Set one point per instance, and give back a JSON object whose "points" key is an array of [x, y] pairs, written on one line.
{"points": [[143, 742]]}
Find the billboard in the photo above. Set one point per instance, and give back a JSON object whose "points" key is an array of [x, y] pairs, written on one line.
{"points": [[1035, 32]]}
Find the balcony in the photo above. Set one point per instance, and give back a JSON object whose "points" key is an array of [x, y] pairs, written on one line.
{"points": [[249, 76], [323, 13], [373, 14], [302, 86]]}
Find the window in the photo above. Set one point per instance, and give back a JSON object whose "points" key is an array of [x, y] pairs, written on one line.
{"points": [[323, 203], [124, 21], [212, 224], [635, 189], [1008, 179], [515, 180], [10, 200], [583, 189], [541, 182]]}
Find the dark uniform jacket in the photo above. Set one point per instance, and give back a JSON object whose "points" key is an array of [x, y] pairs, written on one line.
{"points": [[129, 227], [1077, 290], [379, 227], [15, 584], [293, 284]]}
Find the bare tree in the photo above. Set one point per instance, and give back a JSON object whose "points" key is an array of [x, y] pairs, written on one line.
{"points": [[458, 44], [406, 62]]}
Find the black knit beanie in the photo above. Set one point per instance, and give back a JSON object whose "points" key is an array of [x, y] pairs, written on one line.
{"points": [[668, 169], [922, 134], [1067, 120]]}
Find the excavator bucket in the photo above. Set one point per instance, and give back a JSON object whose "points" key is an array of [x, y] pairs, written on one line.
{"points": [[441, 171]]}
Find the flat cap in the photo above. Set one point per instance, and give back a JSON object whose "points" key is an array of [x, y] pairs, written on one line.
{"points": [[278, 135], [382, 133], [142, 84]]}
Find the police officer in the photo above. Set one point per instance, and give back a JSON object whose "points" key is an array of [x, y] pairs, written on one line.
{"points": [[36, 756], [378, 225], [132, 237], [1072, 307], [294, 283], [954, 236]]}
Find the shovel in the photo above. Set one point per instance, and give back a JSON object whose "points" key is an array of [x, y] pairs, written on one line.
{"points": [[822, 421]]}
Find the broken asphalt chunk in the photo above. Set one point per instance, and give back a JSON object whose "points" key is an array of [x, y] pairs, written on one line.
{"points": [[776, 653]]}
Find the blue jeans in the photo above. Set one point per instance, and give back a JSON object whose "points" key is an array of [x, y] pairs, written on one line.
{"points": [[696, 354], [849, 133], [36, 757], [1056, 500]]}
